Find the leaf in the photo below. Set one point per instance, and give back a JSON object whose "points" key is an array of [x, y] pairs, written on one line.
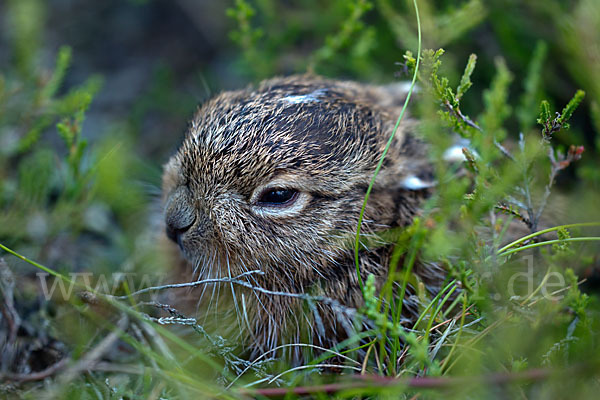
{"points": [[571, 106], [545, 115], [465, 80], [528, 108], [63, 61], [496, 101]]}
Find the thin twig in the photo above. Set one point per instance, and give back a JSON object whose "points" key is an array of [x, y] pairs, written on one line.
{"points": [[556, 292], [301, 367], [526, 188], [187, 284], [507, 209], [219, 346], [336, 305], [548, 230], [262, 356], [134, 369], [548, 242], [553, 172], [458, 114]]}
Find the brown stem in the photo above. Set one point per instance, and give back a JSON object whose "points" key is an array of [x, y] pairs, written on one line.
{"points": [[372, 381], [35, 376]]}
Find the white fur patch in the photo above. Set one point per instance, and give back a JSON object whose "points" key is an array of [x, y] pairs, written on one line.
{"points": [[455, 153], [413, 182], [405, 87], [305, 98]]}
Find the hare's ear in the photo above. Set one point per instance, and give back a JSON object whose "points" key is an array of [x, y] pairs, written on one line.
{"points": [[393, 95], [422, 178], [454, 153], [414, 182]]}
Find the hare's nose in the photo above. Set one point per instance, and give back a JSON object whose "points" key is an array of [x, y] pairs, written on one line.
{"points": [[177, 226], [179, 214]]}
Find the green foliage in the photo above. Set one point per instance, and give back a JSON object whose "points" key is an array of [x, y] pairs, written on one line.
{"points": [[52, 203], [248, 37], [495, 101], [569, 109], [263, 48], [30, 112], [36, 177], [418, 349], [24, 19], [563, 246], [499, 179], [440, 26], [553, 124], [350, 28], [575, 299], [465, 80], [532, 87]]}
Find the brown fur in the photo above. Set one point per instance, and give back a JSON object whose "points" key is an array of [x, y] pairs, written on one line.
{"points": [[320, 137]]}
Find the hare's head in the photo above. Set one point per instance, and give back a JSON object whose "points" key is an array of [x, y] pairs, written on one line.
{"points": [[274, 178]]}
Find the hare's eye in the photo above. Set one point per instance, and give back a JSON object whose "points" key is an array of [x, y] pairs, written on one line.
{"points": [[277, 197]]}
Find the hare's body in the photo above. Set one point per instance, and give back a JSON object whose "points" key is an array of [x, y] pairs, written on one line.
{"points": [[273, 179]]}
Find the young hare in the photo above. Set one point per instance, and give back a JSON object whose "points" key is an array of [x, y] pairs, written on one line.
{"points": [[273, 179]]}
